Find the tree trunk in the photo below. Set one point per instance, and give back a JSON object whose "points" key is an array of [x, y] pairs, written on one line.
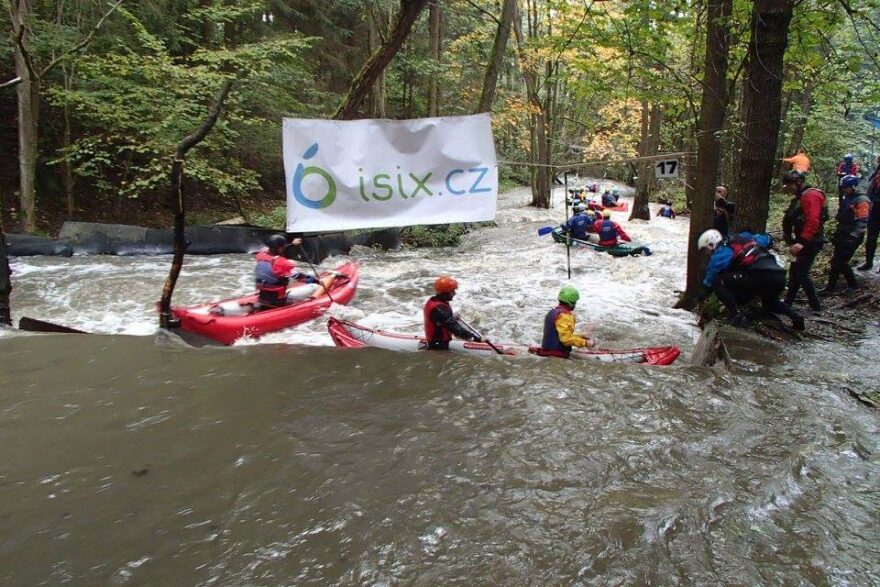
{"points": [[540, 154], [376, 98], [178, 204], [643, 167], [712, 110], [799, 125], [28, 116], [5, 281], [435, 20], [499, 46], [805, 103], [651, 120], [761, 106], [378, 61], [66, 169]]}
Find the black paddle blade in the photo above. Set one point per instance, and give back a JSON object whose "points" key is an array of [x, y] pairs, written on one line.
{"points": [[34, 325]]}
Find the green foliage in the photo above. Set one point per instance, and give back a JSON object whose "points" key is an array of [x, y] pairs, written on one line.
{"points": [[443, 235], [136, 102], [276, 218]]}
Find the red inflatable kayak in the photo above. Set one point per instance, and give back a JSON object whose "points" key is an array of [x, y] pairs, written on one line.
{"points": [[350, 335], [228, 320]]}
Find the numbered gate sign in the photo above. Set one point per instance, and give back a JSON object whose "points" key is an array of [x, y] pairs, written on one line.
{"points": [[666, 169]]}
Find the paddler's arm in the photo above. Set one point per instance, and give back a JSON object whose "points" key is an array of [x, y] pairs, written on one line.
{"points": [[444, 318], [565, 330]]}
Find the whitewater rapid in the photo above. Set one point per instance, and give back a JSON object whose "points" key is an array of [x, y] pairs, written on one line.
{"points": [[508, 279]]}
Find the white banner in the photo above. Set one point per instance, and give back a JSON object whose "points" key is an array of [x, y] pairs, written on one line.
{"points": [[378, 173]]}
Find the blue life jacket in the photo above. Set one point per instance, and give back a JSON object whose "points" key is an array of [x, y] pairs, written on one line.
{"points": [[666, 212], [577, 226], [550, 344], [607, 232]]}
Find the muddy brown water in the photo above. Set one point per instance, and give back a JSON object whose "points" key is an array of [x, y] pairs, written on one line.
{"points": [[128, 460]]}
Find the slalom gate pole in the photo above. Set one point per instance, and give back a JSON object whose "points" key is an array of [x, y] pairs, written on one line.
{"points": [[567, 240]]}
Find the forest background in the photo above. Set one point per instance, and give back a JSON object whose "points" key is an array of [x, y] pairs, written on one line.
{"points": [[97, 95]]}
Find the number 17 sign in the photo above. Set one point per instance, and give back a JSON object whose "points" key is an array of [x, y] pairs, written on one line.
{"points": [[666, 169]]}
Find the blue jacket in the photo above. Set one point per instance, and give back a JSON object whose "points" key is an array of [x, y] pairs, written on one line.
{"points": [[578, 225], [722, 258]]}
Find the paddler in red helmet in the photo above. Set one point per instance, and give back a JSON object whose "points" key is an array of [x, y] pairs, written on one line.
{"points": [[441, 324]]}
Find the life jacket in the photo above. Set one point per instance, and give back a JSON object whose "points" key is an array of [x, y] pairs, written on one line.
{"points": [[794, 216], [608, 200], [607, 231], [847, 168], [746, 252], [666, 212], [551, 346], [272, 287], [437, 336], [853, 212], [577, 225]]}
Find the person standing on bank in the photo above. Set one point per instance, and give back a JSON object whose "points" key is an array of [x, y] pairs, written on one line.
{"points": [[873, 193], [722, 212], [802, 229], [852, 222], [799, 161], [846, 167]]}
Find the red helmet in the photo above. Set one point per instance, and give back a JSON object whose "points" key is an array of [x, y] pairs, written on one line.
{"points": [[445, 284]]}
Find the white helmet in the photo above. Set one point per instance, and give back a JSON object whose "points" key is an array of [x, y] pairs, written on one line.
{"points": [[709, 240], [579, 207]]}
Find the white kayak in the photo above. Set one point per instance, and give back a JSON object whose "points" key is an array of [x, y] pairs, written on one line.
{"points": [[350, 335]]}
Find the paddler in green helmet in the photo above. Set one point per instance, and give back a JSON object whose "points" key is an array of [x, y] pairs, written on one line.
{"points": [[559, 336]]}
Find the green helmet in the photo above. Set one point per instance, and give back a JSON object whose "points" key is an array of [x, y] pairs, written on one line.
{"points": [[569, 295]]}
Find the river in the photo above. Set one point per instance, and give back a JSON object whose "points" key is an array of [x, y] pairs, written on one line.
{"points": [[287, 461]]}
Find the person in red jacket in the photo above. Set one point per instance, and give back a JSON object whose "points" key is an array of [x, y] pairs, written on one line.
{"points": [[609, 231], [441, 324], [847, 166], [274, 272], [873, 194], [802, 229]]}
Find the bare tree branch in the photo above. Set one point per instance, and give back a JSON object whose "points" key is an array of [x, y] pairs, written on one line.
{"points": [[19, 40], [479, 9], [82, 44], [11, 83]]}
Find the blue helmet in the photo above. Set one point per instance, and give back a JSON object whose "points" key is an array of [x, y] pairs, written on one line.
{"points": [[848, 157], [848, 181]]}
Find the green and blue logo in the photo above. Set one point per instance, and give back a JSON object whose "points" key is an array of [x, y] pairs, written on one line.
{"points": [[301, 173], [383, 187]]}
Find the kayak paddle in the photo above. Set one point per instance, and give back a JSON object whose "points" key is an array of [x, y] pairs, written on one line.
{"points": [[475, 333]]}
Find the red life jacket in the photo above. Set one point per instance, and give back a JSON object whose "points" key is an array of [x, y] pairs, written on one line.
{"points": [[272, 287], [745, 251], [433, 332]]}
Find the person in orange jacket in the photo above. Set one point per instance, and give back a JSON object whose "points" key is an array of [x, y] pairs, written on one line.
{"points": [[799, 161]]}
